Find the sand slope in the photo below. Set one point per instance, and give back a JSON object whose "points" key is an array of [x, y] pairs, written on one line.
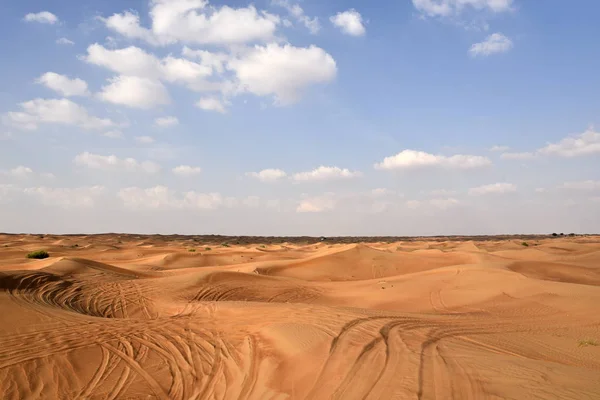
{"points": [[124, 317]]}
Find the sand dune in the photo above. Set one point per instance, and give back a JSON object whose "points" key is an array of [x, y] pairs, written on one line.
{"points": [[133, 317]]}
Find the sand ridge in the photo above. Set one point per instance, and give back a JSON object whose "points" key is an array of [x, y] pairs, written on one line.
{"points": [[129, 316]]}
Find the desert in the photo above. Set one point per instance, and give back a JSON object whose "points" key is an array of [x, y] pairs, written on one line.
{"points": [[184, 317]]}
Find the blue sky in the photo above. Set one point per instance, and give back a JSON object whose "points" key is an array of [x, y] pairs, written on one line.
{"points": [[411, 117]]}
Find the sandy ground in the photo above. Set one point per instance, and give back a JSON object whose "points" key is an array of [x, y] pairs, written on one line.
{"points": [[131, 317]]}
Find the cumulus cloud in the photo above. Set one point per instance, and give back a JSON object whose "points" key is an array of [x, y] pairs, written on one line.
{"points": [[114, 134], [19, 172], [113, 163], [324, 173], [282, 70], [43, 17], [161, 197], [268, 175], [211, 104], [495, 188], [135, 92], [446, 8], [84, 197], [196, 21], [312, 24], [581, 185], [64, 40], [144, 139], [186, 170], [54, 111], [63, 84], [586, 143], [349, 22], [493, 44], [166, 122], [278, 70], [412, 159], [317, 204]]}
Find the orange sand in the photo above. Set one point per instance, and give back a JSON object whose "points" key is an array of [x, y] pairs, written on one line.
{"points": [[124, 317]]}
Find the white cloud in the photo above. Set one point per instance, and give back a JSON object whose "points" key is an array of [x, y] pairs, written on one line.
{"points": [[54, 111], [446, 8], [412, 159], [186, 170], [114, 134], [517, 156], [63, 84], [165, 122], [350, 22], [495, 188], [195, 21], [324, 173], [44, 17], [317, 204], [499, 148], [211, 104], [279, 70], [136, 92], [582, 185], [161, 197], [216, 61], [583, 144], [493, 44], [312, 24], [540, 190], [67, 197], [268, 175], [144, 139], [64, 40], [113, 163], [283, 70], [19, 172], [444, 204], [127, 61]]}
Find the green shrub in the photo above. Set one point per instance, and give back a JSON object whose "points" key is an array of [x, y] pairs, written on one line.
{"points": [[38, 255], [208, 249], [225, 245], [525, 244], [192, 250]]}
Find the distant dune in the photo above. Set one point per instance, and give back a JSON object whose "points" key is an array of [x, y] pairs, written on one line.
{"points": [[205, 317]]}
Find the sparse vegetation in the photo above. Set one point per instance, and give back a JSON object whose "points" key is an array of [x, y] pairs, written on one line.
{"points": [[588, 342], [262, 246], [38, 255], [525, 244], [225, 245], [192, 250], [208, 249]]}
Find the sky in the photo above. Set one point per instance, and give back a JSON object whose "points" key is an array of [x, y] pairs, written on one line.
{"points": [[285, 117]]}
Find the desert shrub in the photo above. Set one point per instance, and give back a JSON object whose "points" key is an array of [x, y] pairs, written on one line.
{"points": [[587, 342], [525, 244], [208, 249], [225, 245], [555, 234], [38, 255], [192, 250]]}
